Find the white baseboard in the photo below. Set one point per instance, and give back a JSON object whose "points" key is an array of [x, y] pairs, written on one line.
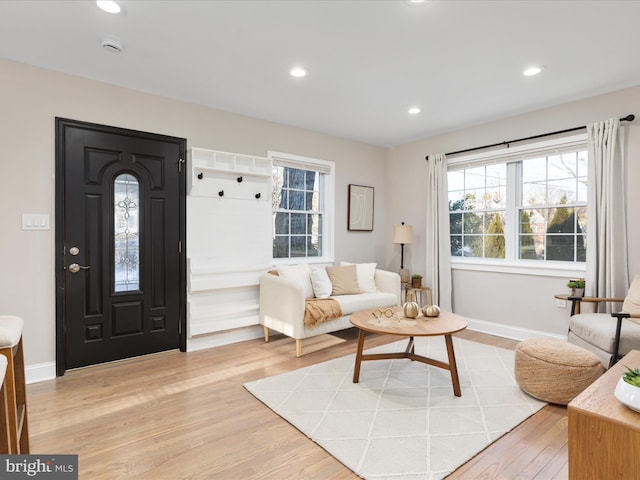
{"points": [[39, 372], [224, 338], [508, 331], [47, 371]]}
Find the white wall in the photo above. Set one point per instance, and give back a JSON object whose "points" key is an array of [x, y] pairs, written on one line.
{"points": [[30, 99], [519, 301]]}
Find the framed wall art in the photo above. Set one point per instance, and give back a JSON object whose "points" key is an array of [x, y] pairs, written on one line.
{"points": [[360, 214]]}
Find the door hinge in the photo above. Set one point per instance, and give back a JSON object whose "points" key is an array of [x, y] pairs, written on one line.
{"points": [[180, 163], [180, 246]]}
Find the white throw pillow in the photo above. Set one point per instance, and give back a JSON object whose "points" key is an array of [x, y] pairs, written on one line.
{"points": [[366, 276], [321, 283], [299, 274]]}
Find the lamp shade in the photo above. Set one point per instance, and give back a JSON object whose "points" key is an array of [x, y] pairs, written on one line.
{"points": [[403, 234]]}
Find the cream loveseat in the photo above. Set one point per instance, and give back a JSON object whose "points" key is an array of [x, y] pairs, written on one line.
{"points": [[284, 296]]}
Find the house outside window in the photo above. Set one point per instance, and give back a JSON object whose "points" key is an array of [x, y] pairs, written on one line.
{"points": [[302, 209], [525, 204]]}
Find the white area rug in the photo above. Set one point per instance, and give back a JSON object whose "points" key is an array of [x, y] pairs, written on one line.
{"points": [[402, 421]]}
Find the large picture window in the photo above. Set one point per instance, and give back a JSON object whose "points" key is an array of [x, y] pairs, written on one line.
{"points": [[528, 203], [302, 206]]}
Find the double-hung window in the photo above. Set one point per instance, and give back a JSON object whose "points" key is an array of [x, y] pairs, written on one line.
{"points": [[302, 208], [525, 203]]}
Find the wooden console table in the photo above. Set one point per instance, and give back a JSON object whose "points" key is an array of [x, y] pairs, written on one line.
{"points": [[604, 435]]}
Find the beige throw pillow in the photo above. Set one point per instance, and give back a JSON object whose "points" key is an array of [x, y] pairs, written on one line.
{"points": [[344, 280], [631, 303], [366, 276]]}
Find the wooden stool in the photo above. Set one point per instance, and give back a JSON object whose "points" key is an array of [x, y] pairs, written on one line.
{"points": [[4, 418], [14, 383]]}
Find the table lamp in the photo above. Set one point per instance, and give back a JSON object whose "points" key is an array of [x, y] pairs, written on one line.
{"points": [[403, 234]]}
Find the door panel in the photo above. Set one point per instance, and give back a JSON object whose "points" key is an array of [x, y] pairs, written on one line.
{"points": [[120, 226]]}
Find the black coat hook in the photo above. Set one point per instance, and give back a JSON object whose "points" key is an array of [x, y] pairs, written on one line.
{"points": [[200, 175], [258, 195], [221, 193], [239, 179]]}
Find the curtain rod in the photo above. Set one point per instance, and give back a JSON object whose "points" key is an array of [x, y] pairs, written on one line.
{"points": [[628, 118]]}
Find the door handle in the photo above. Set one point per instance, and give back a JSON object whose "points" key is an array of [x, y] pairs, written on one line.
{"points": [[75, 268]]}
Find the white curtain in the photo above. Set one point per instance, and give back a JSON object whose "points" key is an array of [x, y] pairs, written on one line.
{"points": [[438, 253], [607, 266]]}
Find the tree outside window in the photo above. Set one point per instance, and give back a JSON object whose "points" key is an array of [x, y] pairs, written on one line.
{"points": [[477, 205], [554, 204]]}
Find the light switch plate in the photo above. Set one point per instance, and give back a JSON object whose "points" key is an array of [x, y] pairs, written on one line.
{"points": [[35, 221]]}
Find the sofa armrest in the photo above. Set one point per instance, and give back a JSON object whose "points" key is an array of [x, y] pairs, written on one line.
{"points": [[281, 305], [388, 282]]}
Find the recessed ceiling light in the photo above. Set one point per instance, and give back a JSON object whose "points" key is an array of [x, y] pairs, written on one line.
{"points": [[415, 2], [414, 110], [298, 72], [535, 70], [108, 6]]}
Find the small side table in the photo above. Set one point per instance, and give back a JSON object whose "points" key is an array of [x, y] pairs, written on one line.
{"points": [[575, 301], [418, 293]]}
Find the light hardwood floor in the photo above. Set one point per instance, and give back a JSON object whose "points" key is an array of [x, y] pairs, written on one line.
{"points": [[178, 416]]}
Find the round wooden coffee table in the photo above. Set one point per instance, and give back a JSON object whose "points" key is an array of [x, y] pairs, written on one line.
{"points": [[393, 322]]}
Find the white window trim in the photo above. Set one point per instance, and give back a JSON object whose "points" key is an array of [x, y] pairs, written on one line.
{"points": [[509, 155], [521, 267], [328, 168]]}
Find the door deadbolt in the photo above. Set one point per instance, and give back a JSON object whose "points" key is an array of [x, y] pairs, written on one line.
{"points": [[74, 250], [75, 268]]}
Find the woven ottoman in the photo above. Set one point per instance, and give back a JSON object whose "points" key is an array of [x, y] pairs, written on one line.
{"points": [[554, 371]]}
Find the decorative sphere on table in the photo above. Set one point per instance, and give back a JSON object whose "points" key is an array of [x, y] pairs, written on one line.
{"points": [[431, 311]]}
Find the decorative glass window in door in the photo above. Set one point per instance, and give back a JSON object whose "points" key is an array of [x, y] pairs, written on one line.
{"points": [[126, 200]]}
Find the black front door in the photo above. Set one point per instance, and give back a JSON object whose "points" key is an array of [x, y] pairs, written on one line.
{"points": [[120, 236]]}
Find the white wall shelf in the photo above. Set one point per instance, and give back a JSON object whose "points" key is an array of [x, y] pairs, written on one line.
{"points": [[222, 309], [210, 319], [221, 325], [204, 283], [204, 276], [213, 173], [228, 240]]}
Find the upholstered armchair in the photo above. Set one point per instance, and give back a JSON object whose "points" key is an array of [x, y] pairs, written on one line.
{"points": [[609, 335]]}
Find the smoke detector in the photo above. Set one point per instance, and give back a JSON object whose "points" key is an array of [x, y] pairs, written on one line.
{"points": [[112, 45]]}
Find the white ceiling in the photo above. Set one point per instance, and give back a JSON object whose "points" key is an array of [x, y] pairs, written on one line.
{"points": [[368, 61]]}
